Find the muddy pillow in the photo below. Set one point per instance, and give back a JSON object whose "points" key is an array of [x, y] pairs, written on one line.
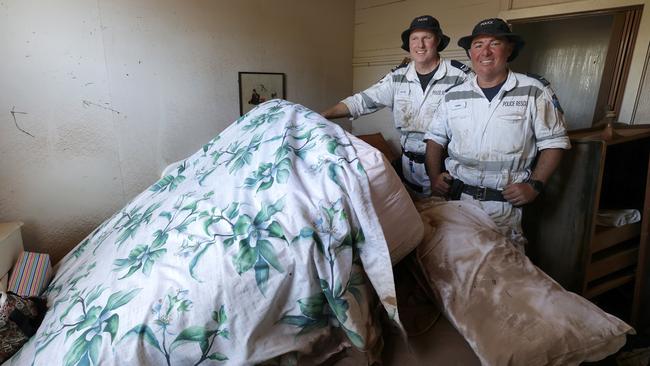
{"points": [[400, 221], [19, 320], [509, 311]]}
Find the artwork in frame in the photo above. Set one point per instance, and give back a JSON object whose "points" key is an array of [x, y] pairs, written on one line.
{"points": [[258, 87]]}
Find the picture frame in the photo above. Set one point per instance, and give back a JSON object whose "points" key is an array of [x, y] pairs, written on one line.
{"points": [[258, 87]]}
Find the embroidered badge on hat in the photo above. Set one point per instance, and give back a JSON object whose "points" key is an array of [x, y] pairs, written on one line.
{"points": [[486, 22]]}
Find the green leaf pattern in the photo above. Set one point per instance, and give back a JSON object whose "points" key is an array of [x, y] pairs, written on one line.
{"points": [[257, 227], [333, 240], [88, 327], [160, 334]]}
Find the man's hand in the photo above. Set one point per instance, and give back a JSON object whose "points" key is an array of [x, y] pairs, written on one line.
{"points": [[440, 184], [336, 111], [519, 194]]}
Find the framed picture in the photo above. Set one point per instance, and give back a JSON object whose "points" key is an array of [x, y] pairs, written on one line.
{"points": [[258, 87]]}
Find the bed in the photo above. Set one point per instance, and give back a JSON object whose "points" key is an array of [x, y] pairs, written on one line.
{"points": [[273, 244]]}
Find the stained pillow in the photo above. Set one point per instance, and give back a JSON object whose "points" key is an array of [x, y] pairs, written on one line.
{"points": [[509, 311], [400, 221]]}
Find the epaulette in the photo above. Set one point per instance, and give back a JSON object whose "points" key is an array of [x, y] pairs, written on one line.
{"points": [[540, 78], [451, 87], [405, 62], [459, 65]]}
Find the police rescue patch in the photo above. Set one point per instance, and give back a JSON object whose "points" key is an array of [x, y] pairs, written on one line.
{"points": [[515, 103], [459, 65], [556, 104]]}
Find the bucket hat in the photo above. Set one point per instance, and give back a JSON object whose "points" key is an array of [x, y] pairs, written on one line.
{"points": [[494, 27], [425, 22]]}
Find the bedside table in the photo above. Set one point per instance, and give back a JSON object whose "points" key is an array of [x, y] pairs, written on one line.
{"points": [[11, 245]]}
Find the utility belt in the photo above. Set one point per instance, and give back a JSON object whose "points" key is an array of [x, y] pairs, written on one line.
{"points": [[459, 187], [414, 157]]}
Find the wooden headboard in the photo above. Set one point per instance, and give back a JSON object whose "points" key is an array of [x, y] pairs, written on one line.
{"points": [[377, 141]]}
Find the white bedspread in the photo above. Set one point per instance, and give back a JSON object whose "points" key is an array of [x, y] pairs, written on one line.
{"points": [[261, 247]]}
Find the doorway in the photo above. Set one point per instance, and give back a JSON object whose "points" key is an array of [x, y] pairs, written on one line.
{"points": [[585, 57]]}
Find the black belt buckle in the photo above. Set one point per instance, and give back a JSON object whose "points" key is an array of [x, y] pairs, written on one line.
{"points": [[414, 157], [456, 187], [481, 193]]}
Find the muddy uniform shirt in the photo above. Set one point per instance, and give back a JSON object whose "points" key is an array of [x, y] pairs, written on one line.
{"points": [[493, 144], [412, 108]]}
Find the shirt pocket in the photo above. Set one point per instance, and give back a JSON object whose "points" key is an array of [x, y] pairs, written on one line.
{"points": [[515, 118], [459, 115], [403, 112], [510, 132], [462, 127], [402, 101]]}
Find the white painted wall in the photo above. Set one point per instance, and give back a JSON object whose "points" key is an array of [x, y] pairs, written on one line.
{"points": [[109, 92]]}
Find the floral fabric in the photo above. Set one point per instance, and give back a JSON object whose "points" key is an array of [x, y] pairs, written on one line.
{"points": [[262, 247]]}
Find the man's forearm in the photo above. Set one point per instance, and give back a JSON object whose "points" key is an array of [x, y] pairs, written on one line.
{"points": [[440, 183], [336, 111], [433, 159], [548, 161]]}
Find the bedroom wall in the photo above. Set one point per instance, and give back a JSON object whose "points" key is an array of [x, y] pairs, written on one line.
{"points": [[379, 23], [98, 97]]}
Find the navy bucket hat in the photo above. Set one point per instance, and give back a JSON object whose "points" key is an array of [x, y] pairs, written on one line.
{"points": [[429, 23], [494, 27]]}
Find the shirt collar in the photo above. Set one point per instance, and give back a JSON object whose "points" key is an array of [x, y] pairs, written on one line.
{"points": [[412, 75], [442, 70], [511, 82]]}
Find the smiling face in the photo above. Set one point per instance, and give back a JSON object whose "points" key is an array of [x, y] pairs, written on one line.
{"points": [[423, 49], [489, 57]]}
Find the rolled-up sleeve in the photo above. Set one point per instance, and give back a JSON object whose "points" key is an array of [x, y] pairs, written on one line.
{"points": [[372, 99], [438, 131], [549, 124]]}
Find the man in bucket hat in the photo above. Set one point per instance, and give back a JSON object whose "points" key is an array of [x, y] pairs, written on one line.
{"points": [[413, 91], [504, 132]]}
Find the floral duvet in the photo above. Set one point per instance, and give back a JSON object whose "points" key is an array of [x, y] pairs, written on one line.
{"points": [[262, 247]]}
